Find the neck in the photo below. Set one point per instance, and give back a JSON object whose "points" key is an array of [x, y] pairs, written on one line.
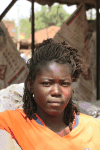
{"points": [[50, 120], [54, 122]]}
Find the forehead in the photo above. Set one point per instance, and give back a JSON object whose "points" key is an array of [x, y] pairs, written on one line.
{"points": [[54, 69]]}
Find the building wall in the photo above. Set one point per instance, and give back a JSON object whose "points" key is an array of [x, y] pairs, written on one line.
{"points": [[10, 25]]}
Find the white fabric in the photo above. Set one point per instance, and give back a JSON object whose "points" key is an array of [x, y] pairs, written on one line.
{"points": [[7, 142]]}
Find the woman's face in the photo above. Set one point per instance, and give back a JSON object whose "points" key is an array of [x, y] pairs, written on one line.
{"points": [[52, 88]]}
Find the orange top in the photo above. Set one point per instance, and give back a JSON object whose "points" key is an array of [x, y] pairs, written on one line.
{"points": [[33, 136]]}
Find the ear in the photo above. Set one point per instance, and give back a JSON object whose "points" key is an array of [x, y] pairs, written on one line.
{"points": [[30, 84]]}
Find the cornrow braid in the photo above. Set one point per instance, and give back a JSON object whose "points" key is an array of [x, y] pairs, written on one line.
{"points": [[59, 52]]}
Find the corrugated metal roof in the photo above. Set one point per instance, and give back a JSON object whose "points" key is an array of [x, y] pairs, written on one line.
{"points": [[89, 3]]}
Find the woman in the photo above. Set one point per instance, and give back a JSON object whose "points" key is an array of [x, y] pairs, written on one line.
{"points": [[49, 119]]}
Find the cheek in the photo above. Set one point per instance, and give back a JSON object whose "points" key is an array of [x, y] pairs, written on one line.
{"points": [[39, 94], [68, 93]]}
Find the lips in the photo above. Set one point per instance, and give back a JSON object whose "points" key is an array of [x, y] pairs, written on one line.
{"points": [[55, 103]]}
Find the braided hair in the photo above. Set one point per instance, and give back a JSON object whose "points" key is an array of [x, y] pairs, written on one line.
{"points": [[62, 53]]}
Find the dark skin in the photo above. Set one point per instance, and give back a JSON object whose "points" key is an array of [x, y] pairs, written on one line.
{"points": [[55, 123], [52, 91]]}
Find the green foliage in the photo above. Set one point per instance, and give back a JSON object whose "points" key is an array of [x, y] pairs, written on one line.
{"points": [[25, 27], [54, 15]]}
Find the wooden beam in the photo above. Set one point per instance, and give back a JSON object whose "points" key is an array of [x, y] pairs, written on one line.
{"points": [[7, 9], [97, 51], [32, 27]]}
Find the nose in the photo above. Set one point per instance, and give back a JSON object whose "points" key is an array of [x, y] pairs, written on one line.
{"points": [[56, 90]]}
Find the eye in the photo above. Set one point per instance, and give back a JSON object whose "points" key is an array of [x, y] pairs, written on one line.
{"points": [[65, 84], [46, 83]]}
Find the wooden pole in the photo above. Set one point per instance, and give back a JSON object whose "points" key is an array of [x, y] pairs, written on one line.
{"points": [[97, 51], [7, 9], [32, 27]]}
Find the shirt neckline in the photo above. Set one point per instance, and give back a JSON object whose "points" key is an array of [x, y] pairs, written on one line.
{"points": [[74, 128]]}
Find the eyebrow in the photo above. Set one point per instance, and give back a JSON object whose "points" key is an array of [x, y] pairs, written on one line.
{"points": [[51, 79]]}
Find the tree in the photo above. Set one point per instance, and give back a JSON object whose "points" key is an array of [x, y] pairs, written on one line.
{"points": [[54, 15], [25, 27]]}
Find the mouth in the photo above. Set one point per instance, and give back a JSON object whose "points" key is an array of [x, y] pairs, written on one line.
{"points": [[55, 103]]}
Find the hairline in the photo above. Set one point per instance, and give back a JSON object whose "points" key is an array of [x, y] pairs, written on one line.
{"points": [[39, 66]]}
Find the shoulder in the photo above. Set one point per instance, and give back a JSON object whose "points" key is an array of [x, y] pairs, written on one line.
{"points": [[10, 118], [86, 119], [12, 113]]}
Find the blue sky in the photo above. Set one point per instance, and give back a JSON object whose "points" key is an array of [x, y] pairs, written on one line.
{"points": [[24, 8]]}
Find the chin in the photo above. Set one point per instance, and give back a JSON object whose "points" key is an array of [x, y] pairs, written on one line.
{"points": [[53, 112]]}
